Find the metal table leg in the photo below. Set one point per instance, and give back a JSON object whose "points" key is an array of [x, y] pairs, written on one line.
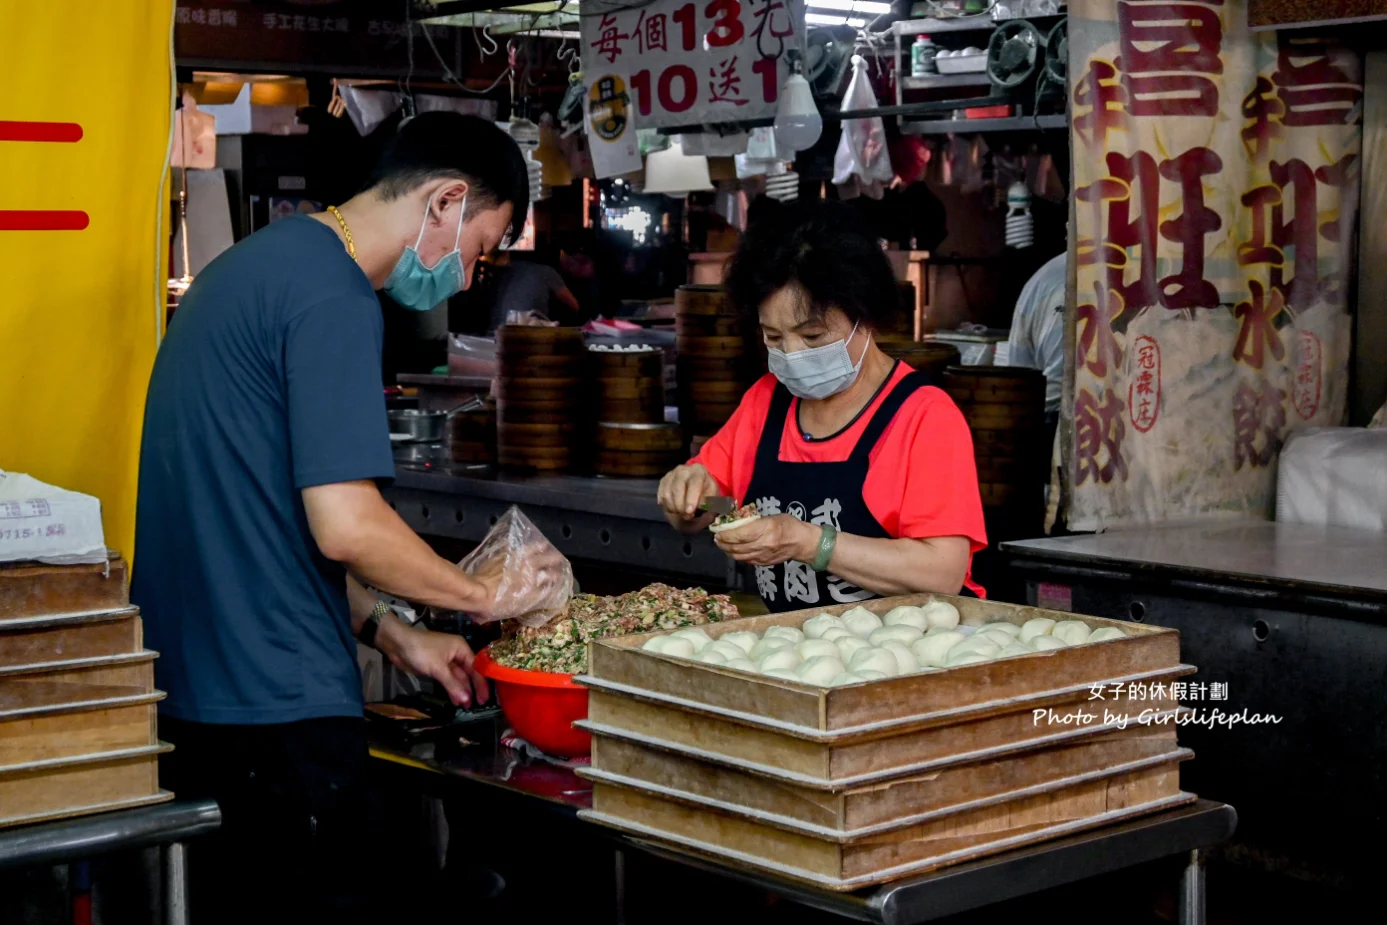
{"points": [[175, 858], [1192, 890], [620, 881]]}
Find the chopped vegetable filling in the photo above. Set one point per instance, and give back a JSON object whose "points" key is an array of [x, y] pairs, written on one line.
{"points": [[561, 644]]}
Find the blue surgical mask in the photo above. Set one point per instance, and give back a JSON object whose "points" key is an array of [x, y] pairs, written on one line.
{"points": [[420, 288], [816, 372]]}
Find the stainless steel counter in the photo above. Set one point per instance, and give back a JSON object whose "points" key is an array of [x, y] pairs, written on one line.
{"points": [[603, 520], [1331, 560], [540, 797], [165, 825], [1290, 621]]}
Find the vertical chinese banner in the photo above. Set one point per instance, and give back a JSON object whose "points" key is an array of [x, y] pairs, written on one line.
{"points": [[84, 134], [1216, 186]]}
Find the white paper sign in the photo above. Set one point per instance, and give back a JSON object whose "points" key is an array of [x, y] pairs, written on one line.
{"points": [[611, 124], [695, 63]]}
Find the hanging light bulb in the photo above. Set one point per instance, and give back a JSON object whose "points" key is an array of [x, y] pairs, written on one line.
{"points": [[798, 124]]}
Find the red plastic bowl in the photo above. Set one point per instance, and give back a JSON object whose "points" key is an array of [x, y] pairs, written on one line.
{"points": [[541, 706]]}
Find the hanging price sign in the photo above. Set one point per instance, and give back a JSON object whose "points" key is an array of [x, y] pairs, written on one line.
{"points": [[694, 62]]}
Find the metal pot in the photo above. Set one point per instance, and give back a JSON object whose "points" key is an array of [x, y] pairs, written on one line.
{"points": [[425, 426]]}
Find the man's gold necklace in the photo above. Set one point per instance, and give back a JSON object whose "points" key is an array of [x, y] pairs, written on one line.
{"points": [[346, 232]]}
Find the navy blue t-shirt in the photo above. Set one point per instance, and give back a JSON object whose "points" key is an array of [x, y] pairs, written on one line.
{"points": [[268, 382]]}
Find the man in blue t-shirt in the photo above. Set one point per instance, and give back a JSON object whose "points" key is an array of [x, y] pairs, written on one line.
{"points": [[260, 517]]}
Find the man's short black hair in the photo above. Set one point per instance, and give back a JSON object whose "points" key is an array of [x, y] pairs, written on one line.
{"points": [[822, 248], [448, 144]]}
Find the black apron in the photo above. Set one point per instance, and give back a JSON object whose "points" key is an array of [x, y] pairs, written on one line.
{"points": [[821, 493]]}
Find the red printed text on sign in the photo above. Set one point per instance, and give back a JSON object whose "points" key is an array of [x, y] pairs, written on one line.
{"points": [[694, 62]]}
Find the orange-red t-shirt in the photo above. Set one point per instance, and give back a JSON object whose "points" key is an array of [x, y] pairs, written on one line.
{"points": [[922, 481]]}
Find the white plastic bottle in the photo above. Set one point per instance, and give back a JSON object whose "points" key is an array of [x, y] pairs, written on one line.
{"points": [[922, 55]]}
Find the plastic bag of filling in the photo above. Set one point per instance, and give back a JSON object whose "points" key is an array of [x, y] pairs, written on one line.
{"points": [[535, 580]]}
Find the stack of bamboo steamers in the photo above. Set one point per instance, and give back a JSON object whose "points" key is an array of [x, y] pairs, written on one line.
{"points": [[1005, 410], [632, 438], [719, 358], [540, 410]]}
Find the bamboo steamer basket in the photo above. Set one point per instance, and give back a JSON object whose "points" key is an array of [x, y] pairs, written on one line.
{"points": [[542, 366], [718, 355], [641, 438], [1005, 409], [928, 357], [702, 300], [643, 364], [543, 459], [542, 396], [516, 340], [707, 326], [637, 450], [629, 387], [472, 436]]}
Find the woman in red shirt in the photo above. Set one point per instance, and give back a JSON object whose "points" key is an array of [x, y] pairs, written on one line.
{"points": [[861, 470]]}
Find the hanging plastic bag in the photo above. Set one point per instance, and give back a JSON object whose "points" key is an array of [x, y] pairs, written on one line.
{"points": [[534, 580], [862, 166]]}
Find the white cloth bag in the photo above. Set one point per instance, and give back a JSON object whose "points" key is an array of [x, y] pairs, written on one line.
{"points": [[49, 524]]}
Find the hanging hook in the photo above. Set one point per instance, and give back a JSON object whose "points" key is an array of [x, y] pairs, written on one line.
{"points": [[571, 57], [485, 33]]}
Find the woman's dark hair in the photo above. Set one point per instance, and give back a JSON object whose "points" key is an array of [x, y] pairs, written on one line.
{"points": [[448, 144], [825, 250]]}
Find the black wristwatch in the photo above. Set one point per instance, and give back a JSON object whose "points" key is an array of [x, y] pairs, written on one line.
{"points": [[367, 634]]}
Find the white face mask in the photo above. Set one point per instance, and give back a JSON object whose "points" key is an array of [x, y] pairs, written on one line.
{"points": [[817, 372]]}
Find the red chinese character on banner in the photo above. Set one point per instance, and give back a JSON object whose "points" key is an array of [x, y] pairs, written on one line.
{"points": [[1189, 288], [1131, 181], [773, 26], [1339, 175], [1259, 415], [1257, 332], [1098, 348], [1259, 249], [609, 39], [1166, 49], [1141, 177], [1098, 433], [725, 84], [1301, 232], [1305, 390], [1262, 112], [1314, 89], [1100, 103], [1100, 195], [651, 32], [1144, 393]]}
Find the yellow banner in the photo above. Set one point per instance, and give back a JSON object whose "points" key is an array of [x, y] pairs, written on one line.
{"points": [[84, 133]]}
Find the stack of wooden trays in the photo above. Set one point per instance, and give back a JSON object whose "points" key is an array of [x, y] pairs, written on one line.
{"points": [[540, 408], [716, 358], [472, 436], [929, 357], [77, 698], [1005, 409], [638, 450], [902, 323], [630, 385], [851, 786]]}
